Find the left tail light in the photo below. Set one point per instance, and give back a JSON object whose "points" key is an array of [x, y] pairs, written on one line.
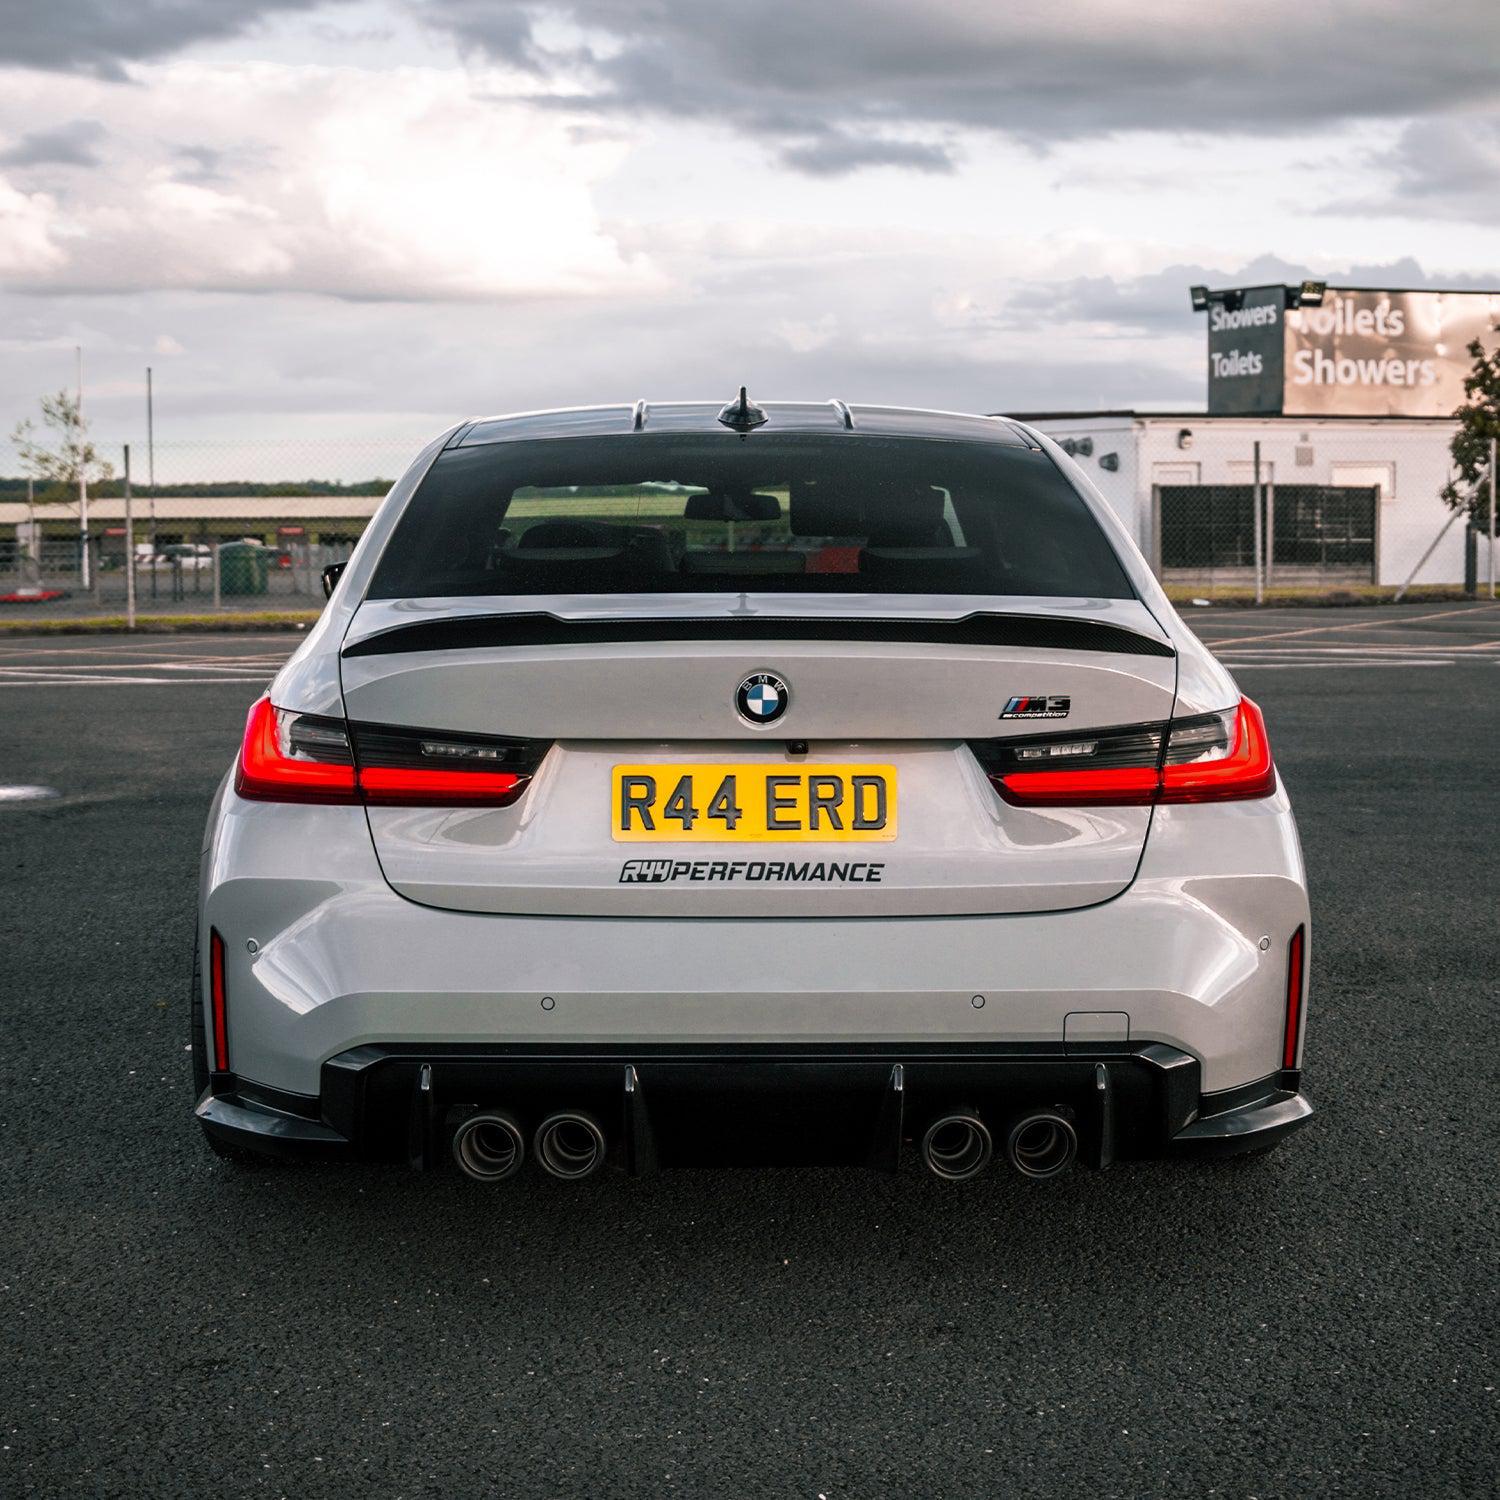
{"points": [[294, 757], [1222, 757], [289, 757]]}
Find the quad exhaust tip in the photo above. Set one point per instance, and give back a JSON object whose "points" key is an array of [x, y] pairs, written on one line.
{"points": [[957, 1146], [489, 1146], [1041, 1145], [569, 1145]]}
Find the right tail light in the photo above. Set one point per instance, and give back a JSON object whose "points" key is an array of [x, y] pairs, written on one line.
{"points": [[1221, 757]]}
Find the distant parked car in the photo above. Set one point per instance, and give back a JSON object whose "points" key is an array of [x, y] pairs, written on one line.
{"points": [[186, 557], [32, 594]]}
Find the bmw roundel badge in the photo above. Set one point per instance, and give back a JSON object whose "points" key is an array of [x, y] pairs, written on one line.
{"points": [[762, 698]]}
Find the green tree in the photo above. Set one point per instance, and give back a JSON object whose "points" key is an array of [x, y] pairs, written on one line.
{"points": [[58, 455], [1478, 426]]}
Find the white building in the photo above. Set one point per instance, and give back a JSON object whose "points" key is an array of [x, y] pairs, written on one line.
{"points": [[1346, 499]]}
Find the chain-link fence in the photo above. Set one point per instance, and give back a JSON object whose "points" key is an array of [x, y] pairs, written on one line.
{"points": [[1239, 507], [208, 526], [1222, 507]]}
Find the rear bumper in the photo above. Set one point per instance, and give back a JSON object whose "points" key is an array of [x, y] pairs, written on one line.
{"points": [[322, 958], [753, 1106]]}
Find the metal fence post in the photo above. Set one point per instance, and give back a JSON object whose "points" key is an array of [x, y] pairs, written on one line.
{"points": [[1270, 529], [1260, 576], [129, 549], [1492, 518], [216, 546]]}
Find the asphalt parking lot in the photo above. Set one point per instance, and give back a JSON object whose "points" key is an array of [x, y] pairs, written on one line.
{"points": [[1322, 1321]]}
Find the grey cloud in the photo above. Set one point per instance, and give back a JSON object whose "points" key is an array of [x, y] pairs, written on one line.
{"points": [[101, 36], [201, 164], [70, 145], [1448, 168], [1038, 72], [837, 153], [209, 165], [1157, 304]]}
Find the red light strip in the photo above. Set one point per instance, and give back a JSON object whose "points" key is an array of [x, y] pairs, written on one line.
{"points": [[220, 1000], [1293, 1000], [390, 784], [1129, 786]]}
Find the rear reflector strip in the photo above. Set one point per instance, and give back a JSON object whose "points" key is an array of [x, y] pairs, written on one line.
{"points": [[219, 1001], [1294, 986]]}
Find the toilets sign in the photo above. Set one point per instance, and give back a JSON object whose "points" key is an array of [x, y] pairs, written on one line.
{"points": [[1361, 353]]}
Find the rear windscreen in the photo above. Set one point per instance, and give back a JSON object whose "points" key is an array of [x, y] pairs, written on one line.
{"points": [[646, 513]]}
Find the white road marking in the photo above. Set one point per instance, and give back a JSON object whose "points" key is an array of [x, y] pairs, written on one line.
{"points": [[89, 677], [259, 681], [1274, 635], [1323, 666]]}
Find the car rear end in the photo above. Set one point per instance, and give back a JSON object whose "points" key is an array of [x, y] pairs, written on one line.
{"points": [[669, 792]]}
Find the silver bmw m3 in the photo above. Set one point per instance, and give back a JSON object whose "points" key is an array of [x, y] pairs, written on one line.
{"points": [[682, 785]]}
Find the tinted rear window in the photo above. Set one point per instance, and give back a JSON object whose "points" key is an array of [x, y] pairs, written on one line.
{"points": [[648, 513]]}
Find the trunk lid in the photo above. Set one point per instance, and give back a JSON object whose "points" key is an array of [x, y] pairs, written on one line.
{"points": [[655, 686]]}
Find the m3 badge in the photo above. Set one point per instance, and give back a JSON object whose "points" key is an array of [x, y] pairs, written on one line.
{"points": [[1037, 707]]}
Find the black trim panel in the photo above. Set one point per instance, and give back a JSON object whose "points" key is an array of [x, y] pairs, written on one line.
{"points": [[676, 1104], [537, 628]]}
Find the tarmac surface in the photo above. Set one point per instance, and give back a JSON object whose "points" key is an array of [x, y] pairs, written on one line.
{"points": [[1318, 1322]]}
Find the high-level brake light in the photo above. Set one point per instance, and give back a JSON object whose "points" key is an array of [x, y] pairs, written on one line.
{"points": [[291, 757]]}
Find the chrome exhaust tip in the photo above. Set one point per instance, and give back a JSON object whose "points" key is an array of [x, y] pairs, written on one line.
{"points": [[1041, 1145], [489, 1146], [569, 1145], [957, 1146]]}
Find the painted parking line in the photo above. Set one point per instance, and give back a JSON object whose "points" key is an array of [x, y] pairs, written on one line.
{"points": [[1323, 666], [1320, 629], [85, 681]]}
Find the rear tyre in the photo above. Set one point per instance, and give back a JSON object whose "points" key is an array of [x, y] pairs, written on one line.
{"points": [[199, 1040]]}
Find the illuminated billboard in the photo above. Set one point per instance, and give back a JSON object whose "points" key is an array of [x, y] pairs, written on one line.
{"points": [[1360, 353]]}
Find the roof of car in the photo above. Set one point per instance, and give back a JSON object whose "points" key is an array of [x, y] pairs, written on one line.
{"points": [[704, 417]]}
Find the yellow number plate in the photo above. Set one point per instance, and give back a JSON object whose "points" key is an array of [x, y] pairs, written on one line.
{"points": [[753, 804]]}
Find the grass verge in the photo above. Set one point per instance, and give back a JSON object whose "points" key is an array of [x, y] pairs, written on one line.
{"points": [[220, 624], [1368, 593]]}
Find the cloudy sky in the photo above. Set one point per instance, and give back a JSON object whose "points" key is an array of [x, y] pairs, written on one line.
{"points": [[368, 218]]}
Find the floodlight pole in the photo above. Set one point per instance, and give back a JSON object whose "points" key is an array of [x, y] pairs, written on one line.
{"points": [[84, 572], [151, 456], [129, 549]]}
